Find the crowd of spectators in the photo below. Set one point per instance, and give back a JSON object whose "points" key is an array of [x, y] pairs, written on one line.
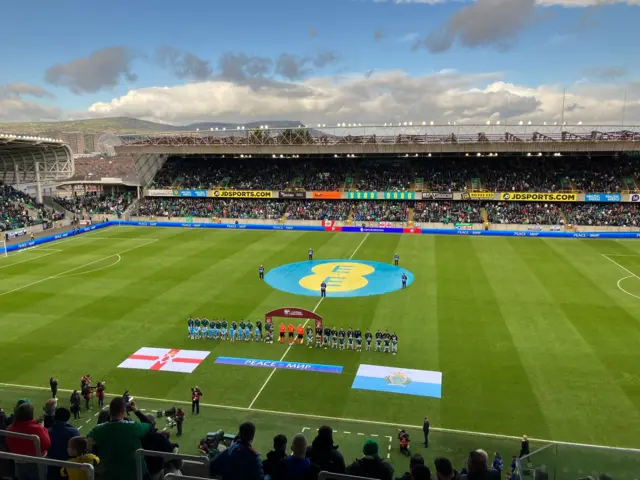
{"points": [[507, 174], [447, 212], [524, 213], [339, 210], [19, 210], [318, 210], [97, 203], [603, 214], [96, 168], [384, 211]]}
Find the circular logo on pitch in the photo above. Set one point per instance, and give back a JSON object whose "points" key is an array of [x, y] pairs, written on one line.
{"points": [[343, 278]]}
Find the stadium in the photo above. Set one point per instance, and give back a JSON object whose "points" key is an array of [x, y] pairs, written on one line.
{"points": [[497, 336]]}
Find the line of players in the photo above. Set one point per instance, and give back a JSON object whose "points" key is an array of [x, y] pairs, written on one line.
{"points": [[223, 330], [350, 339]]}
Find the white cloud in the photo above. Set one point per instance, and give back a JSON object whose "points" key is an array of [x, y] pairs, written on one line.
{"points": [[384, 96], [16, 108]]}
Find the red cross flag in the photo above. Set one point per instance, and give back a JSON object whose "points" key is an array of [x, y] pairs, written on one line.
{"points": [[165, 359]]}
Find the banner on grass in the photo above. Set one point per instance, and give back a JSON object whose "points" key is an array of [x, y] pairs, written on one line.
{"points": [[303, 367], [539, 197], [165, 359], [405, 381]]}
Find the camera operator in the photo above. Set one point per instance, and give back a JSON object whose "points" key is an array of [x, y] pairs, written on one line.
{"points": [[210, 445], [196, 393], [100, 389]]}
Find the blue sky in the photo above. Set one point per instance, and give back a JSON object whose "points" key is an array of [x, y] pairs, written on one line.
{"points": [[586, 49]]}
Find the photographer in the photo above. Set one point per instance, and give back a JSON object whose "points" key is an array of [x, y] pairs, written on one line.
{"points": [[196, 393]]}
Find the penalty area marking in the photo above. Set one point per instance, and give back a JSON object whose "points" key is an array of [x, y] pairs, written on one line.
{"points": [[631, 274], [95, 269], [67, 272], [339, 419], [29, 259], [303, 326]]}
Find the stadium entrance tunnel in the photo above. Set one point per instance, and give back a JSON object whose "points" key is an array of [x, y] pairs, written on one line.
{"points": [[344, 278]]}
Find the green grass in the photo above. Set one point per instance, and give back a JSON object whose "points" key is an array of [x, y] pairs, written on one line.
{"points": [[533, 336]]}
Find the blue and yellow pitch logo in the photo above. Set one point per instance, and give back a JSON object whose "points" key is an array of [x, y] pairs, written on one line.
{"points": [[344, 278]]}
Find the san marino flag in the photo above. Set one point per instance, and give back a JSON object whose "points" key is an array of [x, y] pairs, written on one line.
{"points": [[399, 380]]}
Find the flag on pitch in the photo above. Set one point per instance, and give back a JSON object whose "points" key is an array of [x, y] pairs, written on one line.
{"points": [[405, 381], [165, 359]]}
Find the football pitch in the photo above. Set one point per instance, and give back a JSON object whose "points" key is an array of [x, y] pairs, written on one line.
{"points": [[532, 336]]}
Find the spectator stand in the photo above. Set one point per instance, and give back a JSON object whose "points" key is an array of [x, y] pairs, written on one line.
{"points": [[453, 444]]}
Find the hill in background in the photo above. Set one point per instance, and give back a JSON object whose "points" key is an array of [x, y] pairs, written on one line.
{"points": [[132, 125]]}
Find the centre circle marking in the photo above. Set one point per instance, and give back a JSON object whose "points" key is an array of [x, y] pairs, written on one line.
{"points": [[344, 278]]}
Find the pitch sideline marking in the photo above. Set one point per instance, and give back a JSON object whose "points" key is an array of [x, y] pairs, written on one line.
{"points": [[632, 275], [61, 274], [303, 326], [339, 419]]}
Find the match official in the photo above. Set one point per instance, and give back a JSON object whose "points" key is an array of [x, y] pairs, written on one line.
{"points": [[323, 289], [396, 259], [261, 272], [311, 254], [404, 280]]}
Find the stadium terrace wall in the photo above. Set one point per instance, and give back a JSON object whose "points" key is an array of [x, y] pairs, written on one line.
{"points": [[486, 196], [313, 228]]}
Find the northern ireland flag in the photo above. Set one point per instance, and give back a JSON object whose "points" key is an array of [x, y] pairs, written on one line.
{"points": [[165, 359]]}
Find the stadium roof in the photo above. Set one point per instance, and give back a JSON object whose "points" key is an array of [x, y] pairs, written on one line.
{"points": [[404, 138], [24, 159]]}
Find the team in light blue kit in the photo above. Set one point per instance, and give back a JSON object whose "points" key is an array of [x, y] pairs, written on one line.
{"points": [[203, 329]]}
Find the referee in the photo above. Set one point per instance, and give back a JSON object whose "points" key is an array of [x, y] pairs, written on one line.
{"points": [[261, 272]]}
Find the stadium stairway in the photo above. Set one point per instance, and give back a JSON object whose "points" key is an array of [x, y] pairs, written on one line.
{"points": [[50, 203], [349, 220], [410, 212], [485, 215], [283, 219]]}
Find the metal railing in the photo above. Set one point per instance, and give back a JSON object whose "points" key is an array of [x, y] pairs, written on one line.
{"points": [[34, 438], [141, 454], [337, 476], [171, 476], [563, 461], [42, 462]]}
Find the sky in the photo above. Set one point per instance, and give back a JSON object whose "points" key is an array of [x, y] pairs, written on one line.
{"points": [[322, 61]]}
